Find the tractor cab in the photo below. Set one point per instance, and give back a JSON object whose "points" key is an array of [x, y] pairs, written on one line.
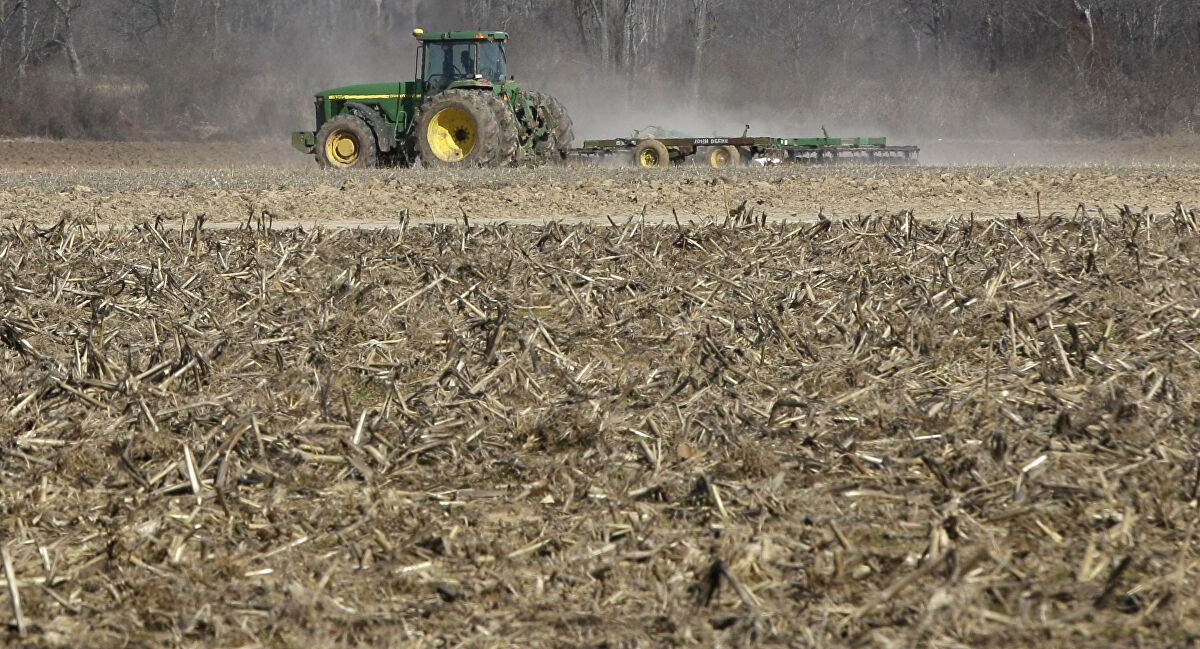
{"points": [[461, 60]]}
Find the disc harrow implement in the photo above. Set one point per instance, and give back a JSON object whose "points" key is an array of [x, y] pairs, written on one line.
{"points": [[723, 152]]}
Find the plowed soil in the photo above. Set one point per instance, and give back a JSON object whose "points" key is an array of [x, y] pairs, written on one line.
{"points": [[130, 183], [808, 421]]}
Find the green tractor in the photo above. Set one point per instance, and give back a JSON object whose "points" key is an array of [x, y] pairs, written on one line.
{"points": [[463, 111]]}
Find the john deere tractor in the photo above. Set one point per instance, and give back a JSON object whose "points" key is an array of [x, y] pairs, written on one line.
{"points": [[464, 110]]}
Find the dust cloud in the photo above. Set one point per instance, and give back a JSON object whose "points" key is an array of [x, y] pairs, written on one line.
{"points": [[249, 72]]}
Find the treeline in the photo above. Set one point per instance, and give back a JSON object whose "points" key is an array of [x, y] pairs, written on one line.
{"points": [[952, 68]]}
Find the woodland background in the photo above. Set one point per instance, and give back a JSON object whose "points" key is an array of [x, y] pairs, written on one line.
{"points": [[184, 69]]}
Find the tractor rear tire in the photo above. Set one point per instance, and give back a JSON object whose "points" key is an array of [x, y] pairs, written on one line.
{"points": [[465, 128], [651, 154], [510, 138], [724, 157], [539, 117], [548, 113], [346, 142], [558, 122]]}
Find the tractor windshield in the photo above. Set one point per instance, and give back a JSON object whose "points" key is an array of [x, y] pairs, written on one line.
{"points": [[491, 61], [450, 61]]}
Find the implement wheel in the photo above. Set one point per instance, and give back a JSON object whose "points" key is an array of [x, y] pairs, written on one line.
{"points": [[723, 157], [462, 128], [346, 142], [651, 154]]}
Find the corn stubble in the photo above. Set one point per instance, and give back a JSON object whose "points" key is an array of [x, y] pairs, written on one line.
{"points": [[852, 433]]}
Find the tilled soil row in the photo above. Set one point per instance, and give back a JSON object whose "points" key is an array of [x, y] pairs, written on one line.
{"points": [[590, 195]]}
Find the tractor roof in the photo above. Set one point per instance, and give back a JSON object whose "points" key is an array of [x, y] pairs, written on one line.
{"points": [[464, 36]]}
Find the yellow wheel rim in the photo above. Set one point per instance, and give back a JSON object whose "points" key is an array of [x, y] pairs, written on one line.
{"points": [[649, 158], [720, 158], [342, 148], [451, 134]]}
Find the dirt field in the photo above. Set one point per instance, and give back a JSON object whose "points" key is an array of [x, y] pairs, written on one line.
{"points": [[130, 183], [759, 427]]}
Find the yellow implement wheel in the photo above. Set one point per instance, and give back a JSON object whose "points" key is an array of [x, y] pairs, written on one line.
{"points": [[451, 134], [346, 142], [651, 154], [723, 157]]}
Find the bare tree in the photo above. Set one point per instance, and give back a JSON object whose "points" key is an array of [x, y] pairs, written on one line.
{"points": [[701, 33], [22, 39], [65, 38], [929, 18], [642, 38], [595, 27]]}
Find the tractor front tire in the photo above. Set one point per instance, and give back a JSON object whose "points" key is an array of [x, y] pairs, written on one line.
{"points": [[465, 128], [651, 154], [346, 142]]}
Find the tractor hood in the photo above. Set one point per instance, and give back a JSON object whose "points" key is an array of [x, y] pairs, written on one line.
{"points": [[363, 91]]}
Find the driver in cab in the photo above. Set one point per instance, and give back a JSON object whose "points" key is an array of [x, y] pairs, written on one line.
{"points": [[468, 65]]}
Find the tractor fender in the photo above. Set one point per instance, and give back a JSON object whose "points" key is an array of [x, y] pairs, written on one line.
{"points": [[384, 136]]}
